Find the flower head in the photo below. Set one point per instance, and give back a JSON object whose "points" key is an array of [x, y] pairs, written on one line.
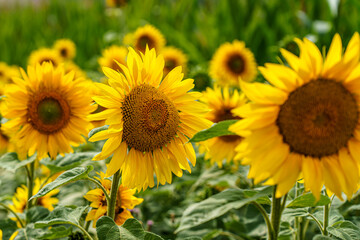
{"points": [[65, 48], [111, 55], [45, 55], [148, 36], [173, 58]]}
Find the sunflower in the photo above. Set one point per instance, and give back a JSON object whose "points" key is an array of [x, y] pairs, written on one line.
{"points": [[116, 3], [150, 121], [111, 55], [231, 61], [48, 110], [21, 197], [125, 201], [149, 36], [173, 57], [306, 123], [71, 66], [65, 48], [221, 102], [5, 144], [45, 55]]}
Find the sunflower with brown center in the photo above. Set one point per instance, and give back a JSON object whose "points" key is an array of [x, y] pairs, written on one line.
{"points": [[65, 48], [125, 201], [149, 36], [47, 110], [150, 121], [307, 122], [45, 55], [232, 61], [221, 103], [111, 55], [173, 58]]}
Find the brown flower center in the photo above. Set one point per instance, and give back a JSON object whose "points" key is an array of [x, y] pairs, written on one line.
{"points": [[48, 60], [64, 52], [170, 64], [236, 64], [150, 119], [222, 115], [48, 112], [143, 41], [318, 118]]}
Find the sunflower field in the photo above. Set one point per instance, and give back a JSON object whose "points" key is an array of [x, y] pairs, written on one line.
{"points": [[186, 120]]}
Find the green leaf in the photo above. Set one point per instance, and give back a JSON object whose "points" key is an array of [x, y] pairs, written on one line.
{"points": [[217, 130], [62, 215], [345, 230], [8, 227], [219, 204], [29, 233], [10, 161], [308, 200], [37, 213], [107, 229], [72, 175], [322, 237], [56, 233], [96, 130], [67, 162]]}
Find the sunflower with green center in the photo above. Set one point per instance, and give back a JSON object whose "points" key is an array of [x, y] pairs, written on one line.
{"points": [[232, 61], [45, 55], [150, 121], [144, 36], [306, 121], [125, 201], [21, 197], [173, 58], [111, 55], [65, 48], [221, 103], [47, 110]]}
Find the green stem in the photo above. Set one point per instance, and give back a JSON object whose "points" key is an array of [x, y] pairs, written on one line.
{"points": [[317, 222], [275, 214], [113, 194], [83, 230], [102, 188], [17, 216], [31, 174], [326, 219], [87, 225], [266, 218], [298, 220]]}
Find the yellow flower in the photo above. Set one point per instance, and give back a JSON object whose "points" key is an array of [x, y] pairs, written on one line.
{"points": [[72, 67], [48, 110], [6, 75], [21, 197], [306, 122], [173, 57], [5, 144], [112, 54], [232, 61], [149, 36], [221, 102], [116, 3], [65, 48], [150, 120], [125, 201], [45, 55]]}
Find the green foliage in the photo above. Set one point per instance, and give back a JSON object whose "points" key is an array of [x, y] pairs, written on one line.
{"points": [[11, 162], [107, 229], [345, 230], [72, 175], [308, 200], [217, 130], [96, 130]]}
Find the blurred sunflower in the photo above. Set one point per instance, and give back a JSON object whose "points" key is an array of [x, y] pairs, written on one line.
{"points": [[47, 110], [221, 103], [150, 121], [125, 201], [112, 54], [21, 197], [149, 36], [231, 61], [173, 58], [307, 123], [44, 55], [71, 66], [116, 3], [5, 144], [65, 48]]}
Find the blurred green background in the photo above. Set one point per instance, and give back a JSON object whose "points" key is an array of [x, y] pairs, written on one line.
{"points": [[197, 27]]}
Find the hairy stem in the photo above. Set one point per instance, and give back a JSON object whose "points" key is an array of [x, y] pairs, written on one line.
{"points": [[266, 218], [113, 194], [31, 178], [17, 216], [101, 187], [275, 214]]}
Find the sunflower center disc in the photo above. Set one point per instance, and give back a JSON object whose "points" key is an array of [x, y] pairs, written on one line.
{"points": [[48, 112], [63, 52], [143, 41], [150, 119], [236, 64], [170, 64], [222, 115], [318, 118]]}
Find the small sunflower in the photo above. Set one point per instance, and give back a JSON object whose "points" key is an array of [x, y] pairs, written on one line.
{"points": [[21, 197], [5, 144], [307, 122], [149, 36], [231, 61], [221, 103], [116, 3], [65, 48], [151, 120], [45, 55], [125, 201], [173, 58], [47, 110], [71, 66], [111, 55]]}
